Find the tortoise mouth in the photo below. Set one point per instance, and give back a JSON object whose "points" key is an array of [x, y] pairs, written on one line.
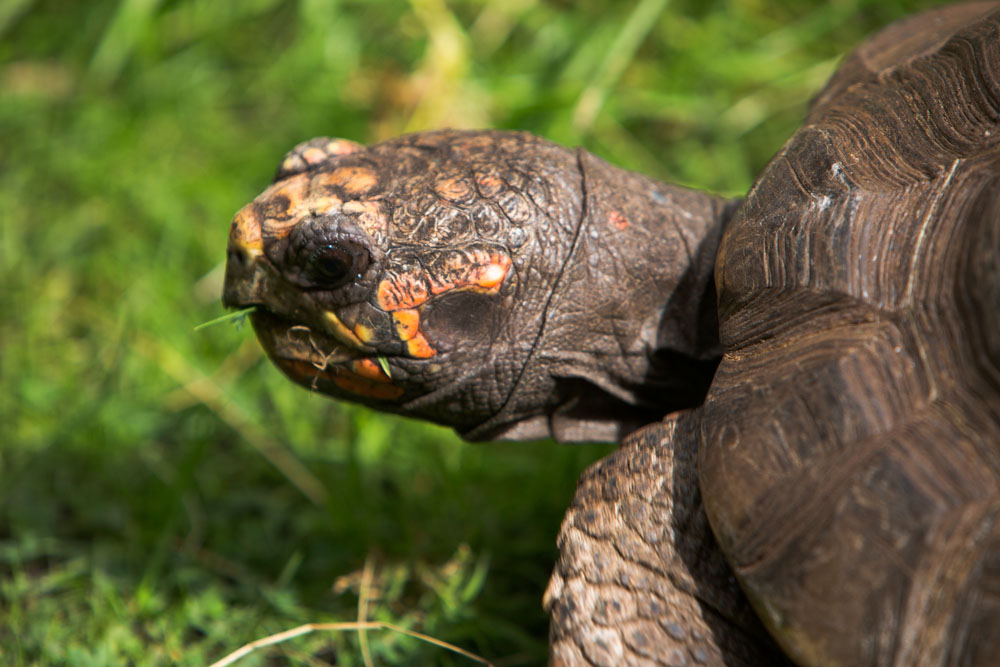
{"points": [[318, 361]]}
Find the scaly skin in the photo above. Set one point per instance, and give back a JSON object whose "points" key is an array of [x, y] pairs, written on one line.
{"points": [[515, 288]]}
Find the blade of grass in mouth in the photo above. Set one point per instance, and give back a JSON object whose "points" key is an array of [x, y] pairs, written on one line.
{"points": [[228, 317]]}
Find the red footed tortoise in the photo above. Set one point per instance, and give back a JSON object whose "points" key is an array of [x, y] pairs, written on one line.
{"points": [[818, 364]]}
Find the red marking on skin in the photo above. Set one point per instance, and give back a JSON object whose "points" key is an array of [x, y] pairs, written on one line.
{"points": [[366, 387], [403, 294], [283, 205], [407, 323], [306, 374], [245, 230], [419, 348], [313, 155], [408, 330], [475, 269], [619, 221], [354, 180], [367, 368], [342, 146], [404, 291]]}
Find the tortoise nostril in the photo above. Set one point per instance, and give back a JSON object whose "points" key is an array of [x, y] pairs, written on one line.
{"points": [[236, 257]]}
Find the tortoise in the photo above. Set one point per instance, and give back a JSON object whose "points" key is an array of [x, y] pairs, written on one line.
{"points": [[807, 380]]}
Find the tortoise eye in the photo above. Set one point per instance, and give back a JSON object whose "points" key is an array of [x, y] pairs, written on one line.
{"points": [[329, 265], [324, 253]]}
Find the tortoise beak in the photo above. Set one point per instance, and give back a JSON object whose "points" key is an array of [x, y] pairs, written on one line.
{"points": [[244, 283]]}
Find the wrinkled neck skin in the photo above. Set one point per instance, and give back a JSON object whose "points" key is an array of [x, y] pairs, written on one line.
{"points": [[629, 332]]}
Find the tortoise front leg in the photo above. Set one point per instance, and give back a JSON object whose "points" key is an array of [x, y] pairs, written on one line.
{"points": [[640, 578]]}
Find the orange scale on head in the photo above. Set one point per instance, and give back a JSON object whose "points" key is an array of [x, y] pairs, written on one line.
{"points": [[245, 230], [443, 283], [279, 205], [355, 181], [342, 147], [454, 189], [314, 155]]}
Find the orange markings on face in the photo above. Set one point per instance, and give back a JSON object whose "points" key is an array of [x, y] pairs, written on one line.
{"points": [[314, 155], [367, 368], [303, 159], [407, 290], [485, 270], [348, 380], [408, 330], [245, 230], [619, 221], [354, 180], [364, 333], [340, 331], [407, 323], [283, 205], [491, 275], [404, 293], [365, 387], [280, 203], [419, 348], [342, 147]]}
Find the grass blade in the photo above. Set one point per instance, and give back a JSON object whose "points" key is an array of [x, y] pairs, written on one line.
{"points": [[228, 317]]}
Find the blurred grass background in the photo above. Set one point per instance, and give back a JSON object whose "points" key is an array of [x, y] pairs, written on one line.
{"points": [[165, 495]]}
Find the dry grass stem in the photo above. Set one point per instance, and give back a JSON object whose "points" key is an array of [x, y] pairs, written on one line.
{"points": [[363, 597], [308, 628]]}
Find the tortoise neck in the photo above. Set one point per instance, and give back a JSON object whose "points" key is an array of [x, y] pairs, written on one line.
{"points": [[631, 332], [655, 243]]}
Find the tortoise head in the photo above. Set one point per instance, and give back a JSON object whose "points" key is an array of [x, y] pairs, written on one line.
{"points": [[427, 276]]}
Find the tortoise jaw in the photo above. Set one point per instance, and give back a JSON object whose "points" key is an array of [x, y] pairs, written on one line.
{"points": [[287, 341], [319, 361]]}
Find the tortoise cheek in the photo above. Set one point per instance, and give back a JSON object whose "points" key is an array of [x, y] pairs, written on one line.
{"points": [[461, 318]]}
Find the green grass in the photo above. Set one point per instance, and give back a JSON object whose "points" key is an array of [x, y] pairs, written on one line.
{"points": [[166, 496]]}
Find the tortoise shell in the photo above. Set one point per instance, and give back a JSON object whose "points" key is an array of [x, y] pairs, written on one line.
{"points": [[849, 447]]}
